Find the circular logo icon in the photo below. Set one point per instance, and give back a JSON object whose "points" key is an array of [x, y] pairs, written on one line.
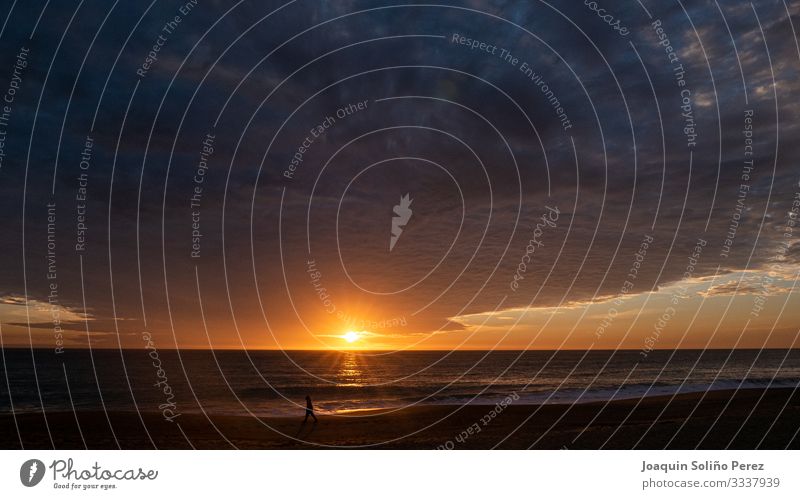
{"points": [[31, 472]]}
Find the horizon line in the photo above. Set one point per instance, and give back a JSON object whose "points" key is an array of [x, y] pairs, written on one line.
{"points": [[26, 347]]}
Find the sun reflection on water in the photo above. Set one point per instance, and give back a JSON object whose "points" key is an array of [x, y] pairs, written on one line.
{"points": [[351, 370]]}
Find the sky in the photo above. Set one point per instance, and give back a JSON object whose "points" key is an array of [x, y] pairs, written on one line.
{"points": [[581, 175]]}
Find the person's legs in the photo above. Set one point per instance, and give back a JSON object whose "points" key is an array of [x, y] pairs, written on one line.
{"points": [[313, 416]]}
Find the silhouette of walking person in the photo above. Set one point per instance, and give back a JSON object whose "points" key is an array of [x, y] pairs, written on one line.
{"points": [[309, 410]]}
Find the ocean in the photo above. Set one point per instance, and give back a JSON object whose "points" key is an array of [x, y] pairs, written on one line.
{"points": [[275, 383]]}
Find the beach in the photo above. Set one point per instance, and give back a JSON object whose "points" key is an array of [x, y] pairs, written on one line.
{"points": [[745, 419]]}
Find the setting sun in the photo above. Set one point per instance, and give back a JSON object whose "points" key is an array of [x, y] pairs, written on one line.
{"points": [[351, 336]]}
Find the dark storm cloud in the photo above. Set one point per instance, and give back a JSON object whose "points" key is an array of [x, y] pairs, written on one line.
{"points": [[521, 157]]}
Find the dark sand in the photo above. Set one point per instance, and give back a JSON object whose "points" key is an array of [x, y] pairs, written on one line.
{"points": [[773, 424]]}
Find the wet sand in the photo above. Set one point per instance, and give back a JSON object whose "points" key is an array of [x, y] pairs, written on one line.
{"points": [[767, 419]]}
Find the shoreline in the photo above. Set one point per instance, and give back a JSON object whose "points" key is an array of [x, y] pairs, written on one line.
{"points": [[744, 419]]}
